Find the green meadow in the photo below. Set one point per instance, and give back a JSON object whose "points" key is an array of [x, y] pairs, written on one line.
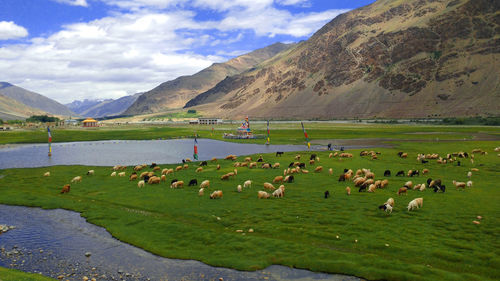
{"points": [[16, 275], [345, 234]]}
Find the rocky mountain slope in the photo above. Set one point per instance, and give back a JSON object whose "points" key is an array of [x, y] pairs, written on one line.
{"points": [[80, 106], [393, 59], [34, 100], [175, 93], [11, 109]]}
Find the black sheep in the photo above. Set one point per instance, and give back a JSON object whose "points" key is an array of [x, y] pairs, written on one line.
{"points": [[291, 165], [174, 180], [290, 179], [387, 173], [342, 177], [302, 165], [400, 174], [279, 153], [193, 182], [313, 156], [327, 194], [153, 165], [146, 178], [204, 163]]}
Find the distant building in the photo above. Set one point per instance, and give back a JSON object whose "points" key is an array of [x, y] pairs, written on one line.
{"points": [[89, 122], [71, 122], [193, 122], [209, 121]]}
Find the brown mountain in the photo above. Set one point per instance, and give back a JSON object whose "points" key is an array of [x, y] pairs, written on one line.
{"points": [[34, 100], [393, 58], [11, 109], [175, 93]]}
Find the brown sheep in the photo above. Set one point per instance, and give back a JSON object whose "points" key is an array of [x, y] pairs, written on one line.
{"points": [[132, 177], [137, 168], [187, 160], [384, 183], [205, 184], [214, 159], [276, 165], [403, 190], [425, 171], [163, 178], [143, 174], [177, 184], [304, 171], [164, 171], [186, 166], [252, 165], [154, 180], [216, 194], [201, 192], [236, 164], [330, 171], [318, 169], [268, 186], [248, 159], [218, 167], [244, 164], [224, 177], [278, 179], [263, 195], [198, 170], [372, 188], [178, 168], [311, 162], [348, 190], [156, 168], [266, 166], [459, 184], [66, 188]]}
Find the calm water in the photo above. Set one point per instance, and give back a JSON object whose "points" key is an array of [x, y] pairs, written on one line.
{"points": [[130, 152], [54, 243]]}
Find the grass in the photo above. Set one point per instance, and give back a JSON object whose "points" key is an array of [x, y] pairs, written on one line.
{"points": [[16, 275], [436, 242], [281, 133]]}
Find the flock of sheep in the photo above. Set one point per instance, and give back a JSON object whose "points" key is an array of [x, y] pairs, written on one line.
{"points": [[364, 179]]}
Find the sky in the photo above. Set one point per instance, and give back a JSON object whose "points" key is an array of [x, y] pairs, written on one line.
{"points": [[97, 49]]}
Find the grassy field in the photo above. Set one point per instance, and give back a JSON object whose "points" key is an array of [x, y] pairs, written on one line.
{"points": [[16, 275], [281, 133], [436, 242]]}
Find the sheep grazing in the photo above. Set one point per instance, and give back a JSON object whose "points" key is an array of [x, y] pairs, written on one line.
{"points": [[311, 162], [178, 168], [469, 184], [138, 168], [348, 190], [90, 173], [163, 178], [224, 177], [154, 180], [143, 174], [304, 171], [47, 174], [266, 166], [289, 179], [177, 184], [422, 187], [77, 179], [248, 159], [113, 174], [415, 203], [390, 201], [141, 183], [276, 165], [216, 194], [403, 190], [132, 177], [263, 195], [214, 159], [386, 207], [358, 181], [201, 192], [372, 188], [327, 194], [235, 172], [279, 153], [469, 174], [239, 188], [459, 184], [247, 184], [384, 183], [400, 174], [116, 167], [269, 186], [156, 168], [198, 170], [185, 167], [330, 155], [203, 163], [193, 182], [66, 188], [280, 192], [318, 169], [297, 157], [230, 157], [121, 174], [252, 165], [218, 167], [236, 164], [278, 179], [342, 177], [408, 184], [425, 171]]}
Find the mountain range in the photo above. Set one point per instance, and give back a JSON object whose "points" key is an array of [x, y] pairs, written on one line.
{"points": [[102, 108]]}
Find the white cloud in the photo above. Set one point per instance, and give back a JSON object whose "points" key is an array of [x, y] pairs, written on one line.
{"points": [[145, 43], [82, 3], [10, 30], [294, 2]]}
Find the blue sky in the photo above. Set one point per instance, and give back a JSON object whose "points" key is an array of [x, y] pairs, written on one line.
{"points": [[76, 49]]}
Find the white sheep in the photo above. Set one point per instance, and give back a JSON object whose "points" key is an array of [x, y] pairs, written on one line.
{"points": [[121, 174], [201, 192], [469, 184], [205, 184], [141, 184], [77, 179], [247, 183], [47, 174], [113, 174], [415, 203], [469, 174], [239, 188], [90, 173]]}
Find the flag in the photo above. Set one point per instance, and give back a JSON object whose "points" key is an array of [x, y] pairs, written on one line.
{"points": [[305, 134], [195, 154], [268, 140], [50, 136]]}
